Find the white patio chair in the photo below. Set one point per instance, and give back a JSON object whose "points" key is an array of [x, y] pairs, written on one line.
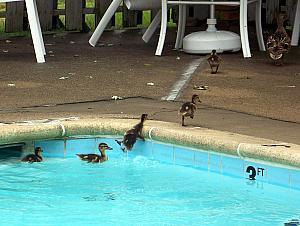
{"points": [[35, 28], [182, 18], [131, 5], [296, 28]]}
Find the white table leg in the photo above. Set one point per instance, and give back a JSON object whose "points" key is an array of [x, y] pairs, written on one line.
{"points": [[181, 26], [163, 27], [296, 28], [104, 21], [39, 27], [244, 28], [258, 26], [35, 31], [152, 27]]}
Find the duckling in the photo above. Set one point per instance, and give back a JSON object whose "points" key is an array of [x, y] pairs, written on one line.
{"points": [[188, 109], [214, 61], [131, 135], [278, 43], [36, 157], [93, 158]]}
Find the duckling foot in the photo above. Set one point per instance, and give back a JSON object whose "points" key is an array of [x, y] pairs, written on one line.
{"points": [[119, 142]]}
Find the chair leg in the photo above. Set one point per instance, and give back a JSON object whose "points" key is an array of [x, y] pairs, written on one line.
{"points": [[35, 31], [181, 26], [39, 27], [163, 28], [152, 27], [258, 26], [296, 27], [104, 21], [244, 29]]}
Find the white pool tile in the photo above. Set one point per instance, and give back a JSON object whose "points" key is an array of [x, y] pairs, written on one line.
{"points": [[214, 163], [232, 166], [51, 148], [184, 156], [201, 159], [163, 153]]}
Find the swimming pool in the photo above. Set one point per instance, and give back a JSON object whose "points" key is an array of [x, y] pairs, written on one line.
{"points": [[155, 184]]}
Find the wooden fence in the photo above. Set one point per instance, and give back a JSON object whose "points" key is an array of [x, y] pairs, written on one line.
{"points": [[76, 10]]}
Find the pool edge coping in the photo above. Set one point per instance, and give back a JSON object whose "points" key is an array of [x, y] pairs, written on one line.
{"points": [[243, 146]]}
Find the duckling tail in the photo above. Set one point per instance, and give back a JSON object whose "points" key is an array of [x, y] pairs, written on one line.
{"points": [[81, 156], [120, 143]]}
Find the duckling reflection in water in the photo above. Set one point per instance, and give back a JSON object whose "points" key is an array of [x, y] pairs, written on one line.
{"points": [[131, 135], [94, 158], [36, 157], [188, 109]]}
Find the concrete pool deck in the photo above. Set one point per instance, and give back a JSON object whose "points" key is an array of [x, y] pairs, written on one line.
{"points": [[250, 97]]}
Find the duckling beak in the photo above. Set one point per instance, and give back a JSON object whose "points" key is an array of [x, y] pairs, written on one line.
{"points": [[109, 148]]}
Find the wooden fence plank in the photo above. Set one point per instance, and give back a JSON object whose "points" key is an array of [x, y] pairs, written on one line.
{"points": [[45, 9], [272, 7], [101, 6], [14, 17], [75, 11], [129, 17], [74, 17]]}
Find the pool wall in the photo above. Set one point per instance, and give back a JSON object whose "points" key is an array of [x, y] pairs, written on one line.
{"points": [[173, 154], [233, 144]]}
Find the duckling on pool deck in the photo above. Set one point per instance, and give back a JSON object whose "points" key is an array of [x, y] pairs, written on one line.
{"points": [[93, 158], [36, 157], [214, 61], [279, 42], [188, 109], [131, 135]]}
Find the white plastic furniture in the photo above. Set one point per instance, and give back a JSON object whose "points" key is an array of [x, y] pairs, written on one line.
{"points": [[35, 28], [131, 5], [182, 18], [296, 28]]}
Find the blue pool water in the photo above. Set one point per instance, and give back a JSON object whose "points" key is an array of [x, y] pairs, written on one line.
{"points": [[136, 189]]}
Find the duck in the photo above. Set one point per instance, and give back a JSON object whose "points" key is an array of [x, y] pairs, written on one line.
{"points": [[94, 158], [131, 135], [278, 43], [188, 108], [214, 61], [36, 157]]}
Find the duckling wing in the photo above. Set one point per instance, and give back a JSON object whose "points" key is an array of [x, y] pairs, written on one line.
{"points": [[89, 157], [187, 109], [278, 44], [129, 140], [214, 61], [30, 158]]}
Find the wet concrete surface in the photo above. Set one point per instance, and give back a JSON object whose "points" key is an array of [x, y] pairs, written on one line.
{"points": [[248, 96]]}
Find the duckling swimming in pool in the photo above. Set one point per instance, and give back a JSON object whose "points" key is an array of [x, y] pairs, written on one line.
{"points": [[131, 135], [36, 157], [188, 109], [93, 158]]}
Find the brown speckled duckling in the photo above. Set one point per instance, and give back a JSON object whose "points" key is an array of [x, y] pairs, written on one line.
{"points": [[278, 43], [93, 158], [214, 61], [188, 109], [36, 157], [131, 135]]}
